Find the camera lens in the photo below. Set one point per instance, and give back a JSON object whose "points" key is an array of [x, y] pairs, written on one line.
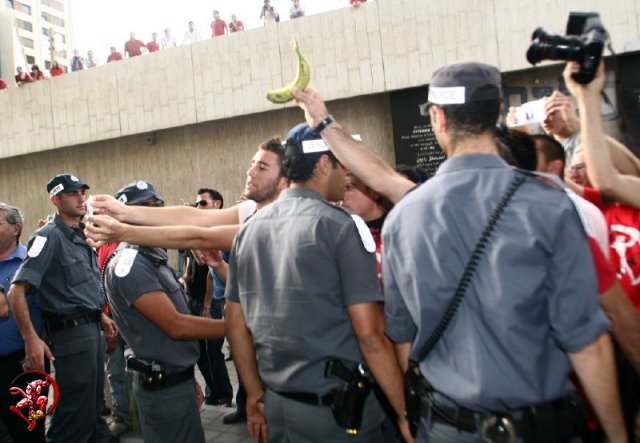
{"points": [[547, 46]]}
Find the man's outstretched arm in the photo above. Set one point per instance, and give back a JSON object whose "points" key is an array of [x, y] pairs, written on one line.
{"points": [[365, 164]]}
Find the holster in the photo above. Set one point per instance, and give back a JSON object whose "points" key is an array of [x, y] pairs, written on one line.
{"points": [[348, 401], [415, 387]]}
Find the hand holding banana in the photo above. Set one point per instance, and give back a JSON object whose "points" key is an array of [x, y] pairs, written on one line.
{"points": [[300, 81]]}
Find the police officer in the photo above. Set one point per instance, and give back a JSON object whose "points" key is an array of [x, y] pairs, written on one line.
{"points": [[62, 269], [302, 289], [151, 310], [499, 371]]}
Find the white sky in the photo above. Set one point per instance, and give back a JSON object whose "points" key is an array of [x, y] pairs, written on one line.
{"points": [[99, 24]]}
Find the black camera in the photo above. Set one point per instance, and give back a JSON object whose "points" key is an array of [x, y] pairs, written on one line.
{"points": [[584, 43]]}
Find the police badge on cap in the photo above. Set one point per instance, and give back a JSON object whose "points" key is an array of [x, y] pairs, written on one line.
{"points": [[65, 183]]}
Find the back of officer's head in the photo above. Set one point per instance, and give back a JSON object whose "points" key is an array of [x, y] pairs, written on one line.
{"points": [[139, 193], [470, 95], [303, 149]]}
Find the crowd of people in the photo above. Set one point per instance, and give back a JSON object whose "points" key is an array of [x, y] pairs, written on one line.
{"points": [[135, 47], [497, 301], [505, 301]]}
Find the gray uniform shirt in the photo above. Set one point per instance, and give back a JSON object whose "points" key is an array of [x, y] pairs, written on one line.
{"points": [[295, 267], [533, 298], [63, 270], [135, 271]]}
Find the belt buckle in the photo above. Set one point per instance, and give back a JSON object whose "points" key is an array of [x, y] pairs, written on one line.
{"points": [[497, 429]]}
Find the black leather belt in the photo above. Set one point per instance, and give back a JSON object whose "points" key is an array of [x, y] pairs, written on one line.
{"points": [[168, 380], [470, 421], [309, 398], [63, 324]]}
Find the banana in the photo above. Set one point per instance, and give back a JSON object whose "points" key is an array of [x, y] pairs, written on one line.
{"points": [[301, 80]]}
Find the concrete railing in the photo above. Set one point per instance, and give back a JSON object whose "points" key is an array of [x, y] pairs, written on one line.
{"points": [[382, 46]]}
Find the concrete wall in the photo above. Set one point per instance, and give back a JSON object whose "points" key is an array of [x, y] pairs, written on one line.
{"points": [[384, 45], [202, 107], [213, 154]]}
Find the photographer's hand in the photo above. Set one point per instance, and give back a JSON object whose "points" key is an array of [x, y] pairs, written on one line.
{"points": [[578, 90]]}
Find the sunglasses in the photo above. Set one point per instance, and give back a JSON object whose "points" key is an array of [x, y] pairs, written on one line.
{"points": [[203, 203]]}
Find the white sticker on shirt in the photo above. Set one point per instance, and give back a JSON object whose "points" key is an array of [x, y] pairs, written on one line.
{"points": [[365, 234], [37, 246], [125, 262]]}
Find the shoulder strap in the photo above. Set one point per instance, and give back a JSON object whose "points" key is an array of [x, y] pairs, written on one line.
{"points": [[470, 269]]}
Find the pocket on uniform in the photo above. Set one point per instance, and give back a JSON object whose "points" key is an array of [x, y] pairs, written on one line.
{"points": [[75, 271]]}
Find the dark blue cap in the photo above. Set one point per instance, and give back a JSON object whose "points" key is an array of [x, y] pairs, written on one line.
{"points": [[136, 192], [65, 183], [303, 139]]}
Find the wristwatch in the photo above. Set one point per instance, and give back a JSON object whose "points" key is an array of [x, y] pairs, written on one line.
{"points": [[324, 123]]}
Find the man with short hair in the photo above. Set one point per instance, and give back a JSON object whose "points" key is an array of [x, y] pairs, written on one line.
{"points": [[199, 283], [151, 309], [192, 35], [153, 46], [235, 25], [296, 10], [218, 26], [300, 266], [168, 41], [61, 268], [114, 55], [133, 47], [140, 193], [12, 253], [542, 276]]}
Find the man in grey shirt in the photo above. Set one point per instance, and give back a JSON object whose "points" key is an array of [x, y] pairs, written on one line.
{"points": [[301, 289], [531, 309], [62, 271]]}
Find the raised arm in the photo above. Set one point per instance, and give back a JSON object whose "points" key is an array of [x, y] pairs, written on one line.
{"points": [[169, 215], [365, 164], [103, 229], [602, 173]]}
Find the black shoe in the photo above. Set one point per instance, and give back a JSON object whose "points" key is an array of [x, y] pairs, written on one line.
{"points": [[234, 417], [228, 402]]}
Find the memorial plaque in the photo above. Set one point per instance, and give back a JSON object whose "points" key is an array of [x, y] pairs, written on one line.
{"points": [[414, 141]]}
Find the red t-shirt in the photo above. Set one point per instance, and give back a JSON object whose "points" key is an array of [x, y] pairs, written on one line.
{"points": [[39, 75], [133, 48], [3, 85], [56, 71], [153, 46], [624, 242], [218, 27], [114, 57]]}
